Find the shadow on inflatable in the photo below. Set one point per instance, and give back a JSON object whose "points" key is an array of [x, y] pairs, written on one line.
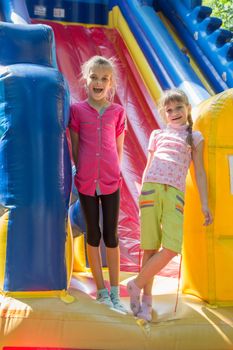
{"points": [[47, 292]]}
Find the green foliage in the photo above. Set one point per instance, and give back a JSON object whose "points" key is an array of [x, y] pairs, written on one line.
{"points": [[222, 9]]}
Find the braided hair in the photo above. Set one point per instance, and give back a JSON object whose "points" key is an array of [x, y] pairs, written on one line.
{"points": [[177, 95]]}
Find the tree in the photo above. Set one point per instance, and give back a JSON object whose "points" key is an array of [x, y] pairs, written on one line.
{"points": [[222, 9]]}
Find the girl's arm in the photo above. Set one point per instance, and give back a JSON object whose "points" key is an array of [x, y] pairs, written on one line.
{"points": [[201, 180], [148, 163], [74, 143], [120, 144]]}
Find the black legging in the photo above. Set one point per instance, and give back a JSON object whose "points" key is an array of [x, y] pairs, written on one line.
{"points": [[110, 209]]}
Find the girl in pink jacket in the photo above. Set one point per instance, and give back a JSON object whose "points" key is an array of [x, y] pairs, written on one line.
{"points": [[97, 128]]}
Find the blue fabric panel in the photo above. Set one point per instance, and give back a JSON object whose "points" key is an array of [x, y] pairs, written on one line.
{"points": [[23, 43], [36, 175], [13, 7], [190, 4]]}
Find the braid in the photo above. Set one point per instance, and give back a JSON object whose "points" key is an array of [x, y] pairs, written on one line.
{"points": [[189, 138], [177, 95]]}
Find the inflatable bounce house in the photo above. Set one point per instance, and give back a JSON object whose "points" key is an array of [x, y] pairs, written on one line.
{"points": [[47, 295]]}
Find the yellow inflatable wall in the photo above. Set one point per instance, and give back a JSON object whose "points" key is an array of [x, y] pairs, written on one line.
{"points": [[208, 251]]}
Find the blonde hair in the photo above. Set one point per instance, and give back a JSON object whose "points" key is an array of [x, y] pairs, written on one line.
{"points": [[177, 95], [102, 62]]}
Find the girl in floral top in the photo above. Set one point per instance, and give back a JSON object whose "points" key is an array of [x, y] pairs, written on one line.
{"points": [[161, 202]]}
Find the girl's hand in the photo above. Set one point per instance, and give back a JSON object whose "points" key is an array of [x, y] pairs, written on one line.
{"points": [[208, 216]]}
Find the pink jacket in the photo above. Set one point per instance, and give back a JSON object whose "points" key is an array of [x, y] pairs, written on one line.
{"points": [[98, 162]]}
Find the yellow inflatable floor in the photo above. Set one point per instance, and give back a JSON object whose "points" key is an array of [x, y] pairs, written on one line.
{"points": [[49, 323]]}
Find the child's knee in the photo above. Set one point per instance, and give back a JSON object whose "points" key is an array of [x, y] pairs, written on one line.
{"points": [[111, 242], [149, 253], [170, 253]]}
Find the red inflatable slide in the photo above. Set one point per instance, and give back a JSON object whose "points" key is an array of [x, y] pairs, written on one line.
{"points": [[74, 45]]}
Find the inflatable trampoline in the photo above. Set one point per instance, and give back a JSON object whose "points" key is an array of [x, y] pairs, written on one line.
{"points": [[47, 294]]}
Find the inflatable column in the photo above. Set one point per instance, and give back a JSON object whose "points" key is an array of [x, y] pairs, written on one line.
{"points": [[35, 168], [208, 251]]}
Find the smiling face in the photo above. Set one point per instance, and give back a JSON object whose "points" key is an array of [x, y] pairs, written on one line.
{"points": [[99, 82], [176, 112]]}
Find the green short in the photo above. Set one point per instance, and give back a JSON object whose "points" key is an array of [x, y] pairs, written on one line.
{"points": [[161, 209]]}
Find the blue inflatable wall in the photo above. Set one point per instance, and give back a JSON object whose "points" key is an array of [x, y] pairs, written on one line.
{"points": [[35, 167]]}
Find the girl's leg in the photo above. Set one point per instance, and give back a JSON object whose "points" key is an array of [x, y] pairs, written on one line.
{"points": [[90, 206], [147, 256], [113, 261], [95, 263], [152, 266], [110, 208], [134, 291], [145, 311]]}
